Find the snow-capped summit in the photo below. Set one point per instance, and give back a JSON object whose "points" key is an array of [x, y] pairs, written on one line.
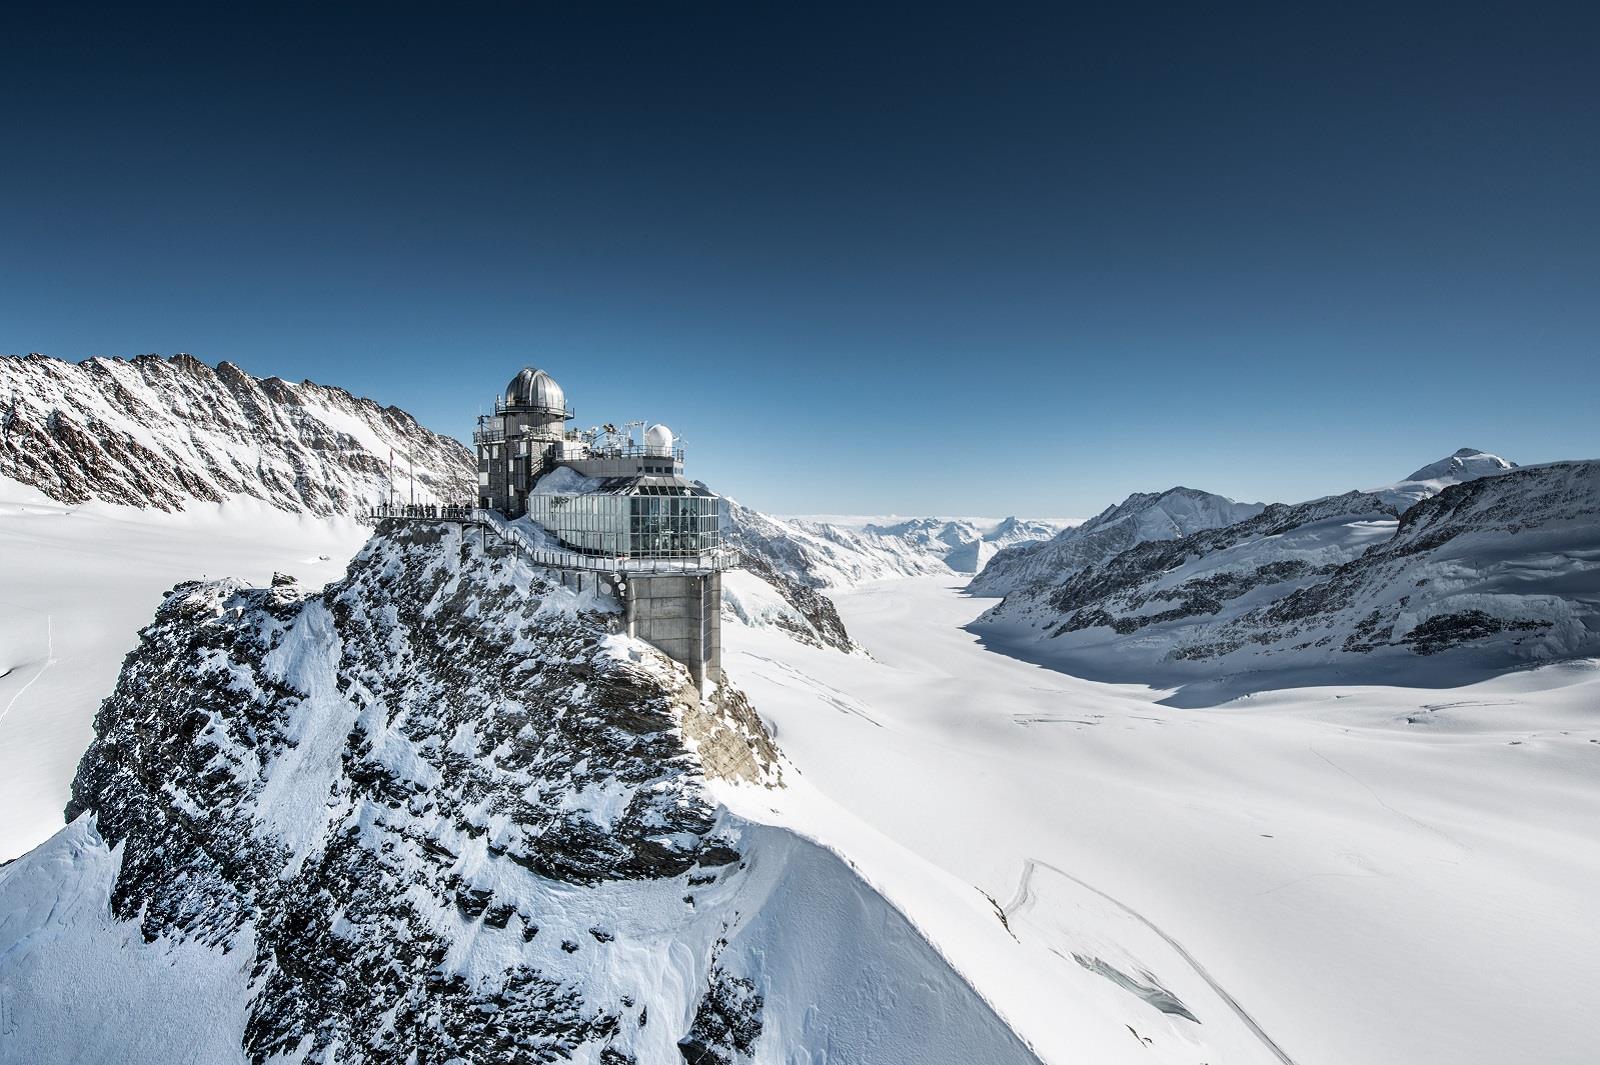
{"points": [[1465, 464], [161, 433], [1142, 516]]}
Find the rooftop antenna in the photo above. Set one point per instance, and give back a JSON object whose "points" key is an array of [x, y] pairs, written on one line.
{"points": [[629, 427]]}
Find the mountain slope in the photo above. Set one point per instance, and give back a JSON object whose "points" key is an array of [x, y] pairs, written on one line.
{"points": [[964, 546], [1142, 516], [439, 809], [1504, 569], [789, 564], [1465, 464], [155, 432], [821, 555]]}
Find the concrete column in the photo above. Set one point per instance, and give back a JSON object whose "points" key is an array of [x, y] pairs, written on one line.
{"points": [[681, 616]]}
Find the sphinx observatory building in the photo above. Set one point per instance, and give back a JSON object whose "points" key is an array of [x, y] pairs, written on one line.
{"points": [[619, 508]]}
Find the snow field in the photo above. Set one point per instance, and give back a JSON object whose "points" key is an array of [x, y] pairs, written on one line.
{"points": [[77, 583], [1335, 874]]}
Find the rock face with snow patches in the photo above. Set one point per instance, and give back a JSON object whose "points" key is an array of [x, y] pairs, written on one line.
{"points": [[759, 594], [441, 811], [156, 432], [789, 564], [1504, 569], [1143, 516], [821, 555]]}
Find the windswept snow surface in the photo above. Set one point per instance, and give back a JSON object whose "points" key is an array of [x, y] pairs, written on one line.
{"points": [[76, 585], [1327, 876]]}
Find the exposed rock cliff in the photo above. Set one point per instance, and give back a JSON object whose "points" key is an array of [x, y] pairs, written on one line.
{"points": [[436, 812], [157, 432]]}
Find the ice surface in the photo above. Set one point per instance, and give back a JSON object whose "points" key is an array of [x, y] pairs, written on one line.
{"points": [[1330, 875]]}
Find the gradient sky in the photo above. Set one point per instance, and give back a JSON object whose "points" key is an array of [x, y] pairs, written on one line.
{"points": [[915, 259]]}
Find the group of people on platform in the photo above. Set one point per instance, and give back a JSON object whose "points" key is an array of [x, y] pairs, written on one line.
{"points": [[449, 511]]}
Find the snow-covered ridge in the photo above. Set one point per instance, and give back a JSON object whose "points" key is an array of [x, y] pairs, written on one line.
{"points": [[965, 545], [789, 565], [1142, 516], [1497, 570], [825, 556], [1465, 464], [159, 432], [441, 809], [79, 581]]}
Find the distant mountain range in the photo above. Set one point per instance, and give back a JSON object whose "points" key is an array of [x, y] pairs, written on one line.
{"points": [[965, 546], [790, 563], [1497, 562]]}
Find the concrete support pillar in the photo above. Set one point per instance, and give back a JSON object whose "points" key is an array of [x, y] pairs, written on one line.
{"points": [[681, 616]]}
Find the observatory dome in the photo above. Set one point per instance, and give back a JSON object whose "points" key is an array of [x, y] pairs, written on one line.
{"points": [[535, 388], [658, 440]]}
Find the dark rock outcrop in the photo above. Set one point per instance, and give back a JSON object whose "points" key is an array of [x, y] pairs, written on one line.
{"points": [[367, 780]]}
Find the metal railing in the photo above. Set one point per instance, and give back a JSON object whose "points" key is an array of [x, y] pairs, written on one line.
{"points": [[634, 451], [422, 512], [502, 407], [715, 560], [623, 451]]}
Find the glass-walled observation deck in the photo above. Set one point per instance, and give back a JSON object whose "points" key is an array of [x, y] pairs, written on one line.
{"points": [[645, 517]]}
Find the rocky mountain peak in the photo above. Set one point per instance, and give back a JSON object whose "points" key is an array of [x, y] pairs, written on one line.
{"points": [[443, 811], [1463, 465], [1141, 517], [410, 776], [156, 432]]}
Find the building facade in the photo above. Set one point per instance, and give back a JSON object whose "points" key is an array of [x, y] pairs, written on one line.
{"points": [[622, 503]]}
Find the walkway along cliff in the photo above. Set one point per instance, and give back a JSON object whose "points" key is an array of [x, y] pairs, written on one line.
{"points": [[595, 504]]}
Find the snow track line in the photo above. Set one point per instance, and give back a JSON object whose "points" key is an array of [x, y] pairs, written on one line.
{"points": [[49, 660], [835, 698], [1024, 897], [1381, 801]]}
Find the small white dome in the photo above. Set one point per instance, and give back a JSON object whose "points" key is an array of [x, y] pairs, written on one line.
{"points": [[535, 388], [658, 440]]}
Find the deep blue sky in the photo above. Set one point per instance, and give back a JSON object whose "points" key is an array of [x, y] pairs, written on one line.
{"points": [[912, 260]]}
